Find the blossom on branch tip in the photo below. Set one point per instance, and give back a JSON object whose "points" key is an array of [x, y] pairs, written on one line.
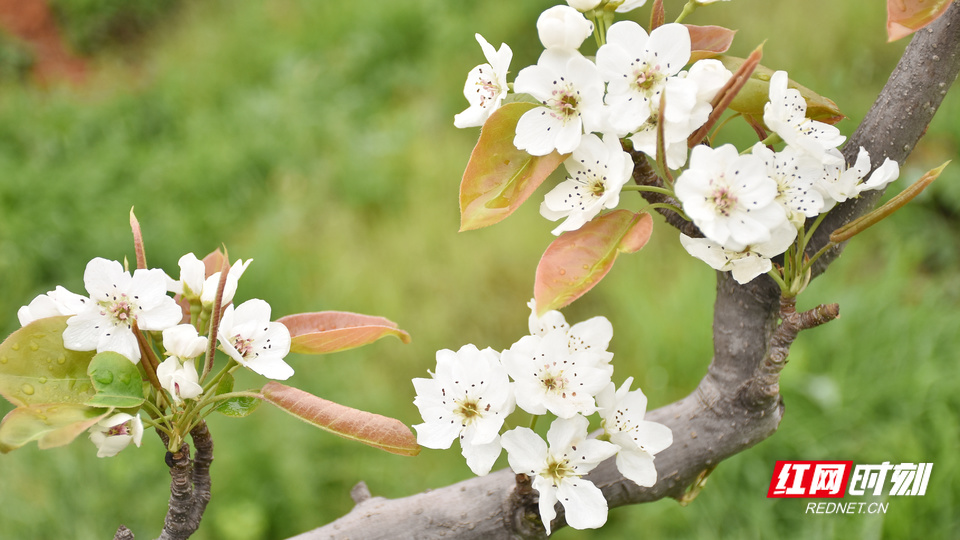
{"points": [[622, 412], [54, 303], [183, 341], [468, 397], [598, 170], [557, 471], [570, 91], [744, 262], [563, 28], [583, 5], [637, 68], [117, 301], [796, 174], [839, 183], [549, 377], [729, 196], [785, 114], [180, 378], [592, 335], [486, 85], [248, 336], [113, 434]]}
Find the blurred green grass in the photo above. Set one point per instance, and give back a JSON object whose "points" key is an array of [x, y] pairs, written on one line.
{"points": [[318, 140]]}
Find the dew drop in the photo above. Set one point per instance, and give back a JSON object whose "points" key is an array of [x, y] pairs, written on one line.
{"points": [[125, 378], [62, 359], [15, 346], [562, 272], [27, 389], [34, 346], [3, 359], [42, 380], [103, 377]]}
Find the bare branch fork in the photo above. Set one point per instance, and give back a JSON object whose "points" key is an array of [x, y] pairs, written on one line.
{"points": [[737, 404], [189, 486]]}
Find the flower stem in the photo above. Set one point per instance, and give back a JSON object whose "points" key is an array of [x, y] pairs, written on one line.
{"points": [[652, 189], [689, 8]]}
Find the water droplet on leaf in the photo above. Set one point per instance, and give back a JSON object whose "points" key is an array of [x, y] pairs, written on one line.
{"points": [[103, 377], [34, 346], [42, 380], [15, 346], [27, 389]]}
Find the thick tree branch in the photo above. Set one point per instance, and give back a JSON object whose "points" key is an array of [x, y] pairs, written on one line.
{"points": [[736, 404]]}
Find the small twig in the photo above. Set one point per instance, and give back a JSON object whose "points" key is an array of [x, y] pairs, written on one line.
{"points": [[360, 492], [123, 533], [644, 175], [765, 386]]}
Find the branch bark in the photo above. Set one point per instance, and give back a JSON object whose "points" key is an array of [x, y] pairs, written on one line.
{"points": [[737, 403]]}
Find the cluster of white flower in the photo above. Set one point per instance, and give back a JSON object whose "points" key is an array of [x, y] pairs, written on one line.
{"points": [[121, 304], [561, 369], [586, 106], [750, 207]]}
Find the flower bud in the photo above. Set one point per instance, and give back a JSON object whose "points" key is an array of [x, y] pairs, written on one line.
{"points": [[562, 27], [583, 5]]}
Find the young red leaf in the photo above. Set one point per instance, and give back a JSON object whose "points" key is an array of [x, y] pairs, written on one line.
{"points": [[499, 177], [728, 95], [709, 41], [578, 260], [325, 332], [372, 429], [905, 17], [657, 15], [138, 241]]}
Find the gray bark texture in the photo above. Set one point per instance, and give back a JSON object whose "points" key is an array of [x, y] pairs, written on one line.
{"points": [[737, 403]]}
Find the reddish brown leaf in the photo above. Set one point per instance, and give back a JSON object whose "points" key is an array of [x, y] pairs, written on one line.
{"points": [[499, 178], [578, 260], [728, 94], [372, 429], [709, 41], [657, 15], [325, 332], [138, 241], [755, 94], [905, 17]]}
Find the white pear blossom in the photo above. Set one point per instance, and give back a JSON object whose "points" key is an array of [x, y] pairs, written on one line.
{"points": [[178, 374], [468, 397], [184, 341], [592, 335], [679, 123], [637, 68], [583, 5], [639, 440], [54, 303], [229, 286], [113, 434], [117, 300], [744, 262], [248, 336], [486, 85], [557, 471], [785, 114], [549, 377], [839, 183], [795, 173], [597, 169], [630, 5], [563, 28], [193, 285], [570, 91], [180, 378], [729, 196]]}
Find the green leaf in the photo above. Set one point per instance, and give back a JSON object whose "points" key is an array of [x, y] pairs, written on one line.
{"points": [[576, 261], [709, 41], [499, 177], [116, 380], [756, 93], [50, 424], [36, 368], [236, 407], [372, 429], [905, 17], [325, 332]]}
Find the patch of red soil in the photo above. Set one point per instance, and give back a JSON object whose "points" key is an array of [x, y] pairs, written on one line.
{"points": [[33, 22]]}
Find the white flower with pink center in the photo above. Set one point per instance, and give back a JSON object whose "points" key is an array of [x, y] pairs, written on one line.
{"points": [[786, 113], [248, 336], [113, 434], [117, 301], [486, 85], [639, 440], [729, 196], [570, 91], [744, 262]]}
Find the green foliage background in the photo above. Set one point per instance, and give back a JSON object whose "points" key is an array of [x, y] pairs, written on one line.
{"points": [[317, 138]]}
